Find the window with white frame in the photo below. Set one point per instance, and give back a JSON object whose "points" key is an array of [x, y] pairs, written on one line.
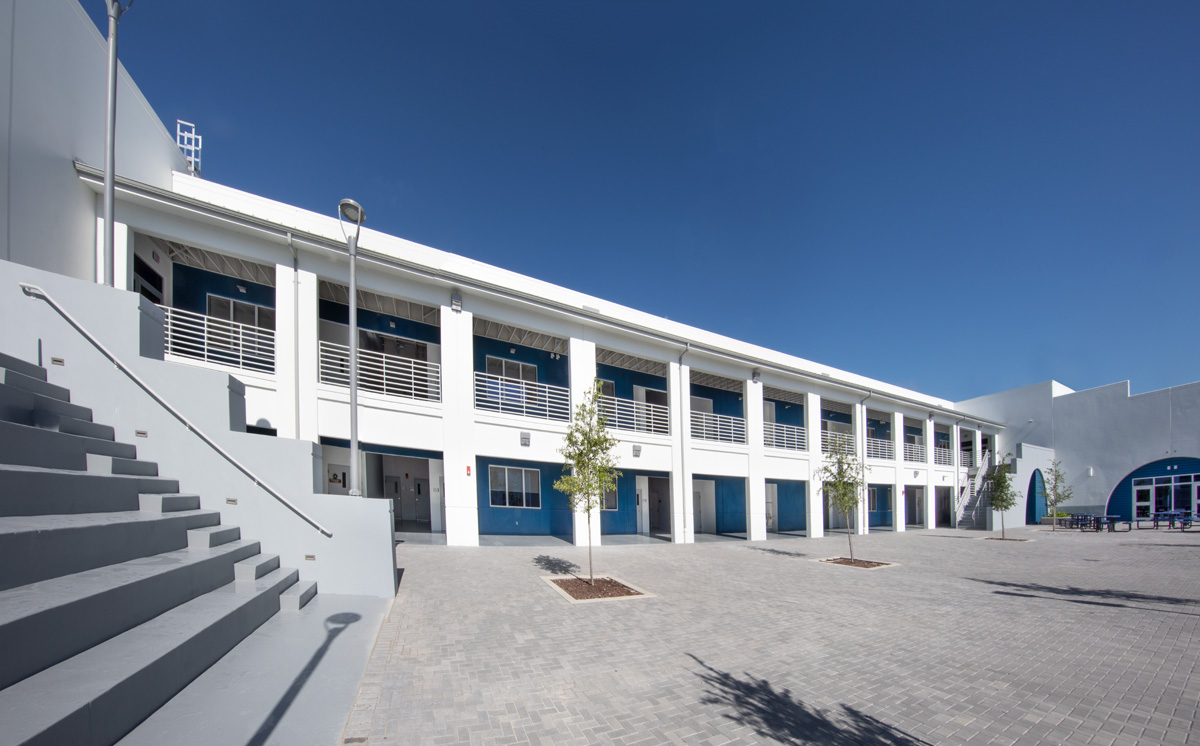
{"points": [[241, 312], [610, 500], [514, 487], [872, 499], [607, 388], [518, 371]]}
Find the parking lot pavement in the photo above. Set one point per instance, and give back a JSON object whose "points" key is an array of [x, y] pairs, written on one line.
{"points": [[1070, 638]]}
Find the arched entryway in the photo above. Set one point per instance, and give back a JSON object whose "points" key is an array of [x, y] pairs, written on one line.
{"points": [[1035, 499], [1169, 484]]}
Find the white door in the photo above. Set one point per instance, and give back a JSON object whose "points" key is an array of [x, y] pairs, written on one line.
{"points": [[772, 508]]}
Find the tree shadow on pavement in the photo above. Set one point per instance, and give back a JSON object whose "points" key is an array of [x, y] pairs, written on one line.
{"points": [[556, 565], [773, 713], [1086, 595], [780, 552]]}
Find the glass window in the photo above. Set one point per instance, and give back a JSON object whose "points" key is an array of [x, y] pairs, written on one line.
{"points": [[495, 366], [610, 500], [872, 499], [1139, 482], [221, 308], [496, 482], [516, 488], [607, 388], [266, 318], [533, 488]]}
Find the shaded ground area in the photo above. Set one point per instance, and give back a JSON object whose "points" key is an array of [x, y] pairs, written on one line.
{"points": [[1073, 638]]}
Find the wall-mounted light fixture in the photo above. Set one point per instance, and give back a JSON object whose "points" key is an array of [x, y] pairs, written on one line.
{"points": [[524, 438], [455, 302], [637, 450], [756, 376], [512, 350]]}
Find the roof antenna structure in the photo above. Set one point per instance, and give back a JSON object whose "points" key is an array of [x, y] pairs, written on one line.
{"points": [[189, 142]]}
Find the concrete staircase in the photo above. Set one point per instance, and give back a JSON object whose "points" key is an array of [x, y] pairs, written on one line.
{"points": [[116, 590], [975, 510]]}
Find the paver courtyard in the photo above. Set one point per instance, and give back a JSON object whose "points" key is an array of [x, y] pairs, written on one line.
{"points": [[1071, 638]]}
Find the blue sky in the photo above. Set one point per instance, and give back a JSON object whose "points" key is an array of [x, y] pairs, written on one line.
{"points": [[955, 197]]}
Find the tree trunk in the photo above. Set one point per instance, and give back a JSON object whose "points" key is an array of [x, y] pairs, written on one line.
{"points": [[1001, 524], [850, 536], [591, 573]]}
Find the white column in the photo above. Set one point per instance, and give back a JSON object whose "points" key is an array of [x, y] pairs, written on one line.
{"points": [[307, 326], [436, 495], [812, 418], [290, 328], [581, 362], [899, 509], [679, 385], [756, 485], [122, 256], [860, 452], [930, 484], [458, 423]]}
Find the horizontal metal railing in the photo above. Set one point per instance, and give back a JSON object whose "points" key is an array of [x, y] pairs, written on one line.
{"points": [[832, 442], [914, 452], [791, 437], [626, 414], [34, 291], [880, 448], [390, 375], [525, 398], [966, 459], [214, 340], [943, 456], [719, 427]]}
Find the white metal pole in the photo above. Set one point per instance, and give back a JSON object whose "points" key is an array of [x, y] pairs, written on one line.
{"points": [[352, 243], [110, 140]]}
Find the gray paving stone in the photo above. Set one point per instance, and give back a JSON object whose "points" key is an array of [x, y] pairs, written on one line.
{"points": [[963, 642]]}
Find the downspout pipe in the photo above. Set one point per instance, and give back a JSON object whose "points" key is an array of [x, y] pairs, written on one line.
{"points": [[295, 331], [684, 436]]}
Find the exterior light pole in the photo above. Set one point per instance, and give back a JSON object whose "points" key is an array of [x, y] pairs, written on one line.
{"points": [[351, 211], [115, 11]]}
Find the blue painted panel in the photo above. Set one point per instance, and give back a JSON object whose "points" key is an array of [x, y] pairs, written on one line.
{"points": [[623, 520], [883, 428], [788, 413], [915, 432], [724, 402], [830, 416], [941, 440], [883, 516], [190, 288], [553, 518], [1120, 502], [378, 322], [624, 380], [731, 503], [791, 504], [1035, 499], [550, 370]]}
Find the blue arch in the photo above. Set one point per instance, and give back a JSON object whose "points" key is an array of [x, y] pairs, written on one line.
{"points": [[1120, 502], [1035, 499]]}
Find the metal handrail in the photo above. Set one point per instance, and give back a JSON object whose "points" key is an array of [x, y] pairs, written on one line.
{"points": [[789, 437], [914, 452], [835, 442], [627, 414], [34, 291], [380, 372], [943, 456], [719, 427], [526, 398], [216, 340], [881, 449]]}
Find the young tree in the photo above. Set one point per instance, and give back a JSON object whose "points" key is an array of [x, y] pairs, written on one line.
{"points": [[844, 480], [1002, 495], [1057, 490], [589, 470]]}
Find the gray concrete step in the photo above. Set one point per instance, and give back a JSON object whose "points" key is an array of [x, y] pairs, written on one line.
{"points": [[22, 367], [34, 548], [32, 490], [290, 682], [72, 426], [17, 405], [134, 467], [33, 446], [212, 536], [253, 568], [298, 596], [168, 503], [86, 608], [101, 694], [30, 383]]}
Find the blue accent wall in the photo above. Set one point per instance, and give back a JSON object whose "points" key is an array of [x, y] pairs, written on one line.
{"points": [[624, 380], [1035, 499], [376, 448], [551, 371], [915, 432], [941, 440], [788, 413], [1120, 502], [883, 428], [724, 402], [830, 416], [553, 518], [623, 520], [190, 288], [884, 495], [730, 503], [378, 322], [791, 505]]}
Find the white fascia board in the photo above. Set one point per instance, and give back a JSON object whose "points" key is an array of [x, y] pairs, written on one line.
{"points": [[453, 265]]}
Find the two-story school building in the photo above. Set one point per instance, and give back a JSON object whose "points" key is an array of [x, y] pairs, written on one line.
{"points": [[469, 373]]}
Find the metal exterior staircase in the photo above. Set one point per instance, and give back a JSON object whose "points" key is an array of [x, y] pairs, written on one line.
{"points": [[116, 590], [972, 512]]}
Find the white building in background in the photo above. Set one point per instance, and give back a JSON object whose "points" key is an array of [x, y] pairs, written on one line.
{"points": [[469, 372]]}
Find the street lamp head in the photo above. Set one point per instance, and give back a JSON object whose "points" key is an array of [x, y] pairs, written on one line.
{"points": [[352, 211]]}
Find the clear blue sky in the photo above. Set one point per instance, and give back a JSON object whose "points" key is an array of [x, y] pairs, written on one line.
{"points": [[958, 197]]}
